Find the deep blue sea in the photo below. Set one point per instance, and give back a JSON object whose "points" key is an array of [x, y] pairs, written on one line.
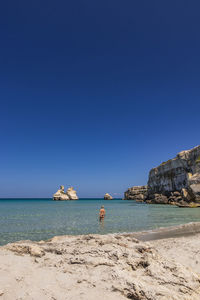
{"points": [[39, 219]]}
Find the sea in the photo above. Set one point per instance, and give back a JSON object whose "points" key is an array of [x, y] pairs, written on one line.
{"points": [[41, 219]]}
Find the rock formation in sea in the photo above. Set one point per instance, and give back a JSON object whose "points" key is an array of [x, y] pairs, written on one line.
{"points": [[108, 197], [176, 181], [70, 194], [138, 193]]}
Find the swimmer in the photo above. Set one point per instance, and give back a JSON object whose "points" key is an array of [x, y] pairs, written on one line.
{"points": [[102, 213]]}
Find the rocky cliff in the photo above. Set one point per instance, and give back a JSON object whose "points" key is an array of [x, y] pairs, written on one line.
{"points": [[138, 193], [69, 195], [174, 181]]}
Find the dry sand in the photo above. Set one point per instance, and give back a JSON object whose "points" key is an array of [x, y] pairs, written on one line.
{"points": [[94, 267]]}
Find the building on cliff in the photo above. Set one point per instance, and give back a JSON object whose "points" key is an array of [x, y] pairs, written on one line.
{"points": [[174, 181]]}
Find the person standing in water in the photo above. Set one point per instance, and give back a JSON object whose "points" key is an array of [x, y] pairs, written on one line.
{"points": [[102, 213]]}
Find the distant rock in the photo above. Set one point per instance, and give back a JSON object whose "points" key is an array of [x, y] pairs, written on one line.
{"points": [[138, 193], [60, 194], [174, 181], [70, 194], [108, 197]]}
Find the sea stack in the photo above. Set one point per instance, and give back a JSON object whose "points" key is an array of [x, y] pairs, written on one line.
{"points": [[176, 181], [108, 197], [70, 194]]}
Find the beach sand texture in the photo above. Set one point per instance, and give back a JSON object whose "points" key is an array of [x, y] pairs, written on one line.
{"points": [[113, 266]]}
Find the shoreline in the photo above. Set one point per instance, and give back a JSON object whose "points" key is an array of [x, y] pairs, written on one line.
{"points": [[174, 231]]}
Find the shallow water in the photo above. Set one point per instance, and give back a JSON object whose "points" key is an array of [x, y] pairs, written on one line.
{"points": [[39, 219]]}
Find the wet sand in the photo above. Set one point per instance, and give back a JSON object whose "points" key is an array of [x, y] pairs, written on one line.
{"points": [[169, 232]]}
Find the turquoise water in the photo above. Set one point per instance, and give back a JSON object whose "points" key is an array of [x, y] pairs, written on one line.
{"points": [[39, 219]]}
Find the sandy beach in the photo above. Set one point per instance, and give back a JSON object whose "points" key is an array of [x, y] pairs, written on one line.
{"points": [[113, 266]]}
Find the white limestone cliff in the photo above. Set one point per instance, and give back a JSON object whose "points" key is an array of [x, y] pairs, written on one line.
{"points": [[180, 174], [176, 181]]}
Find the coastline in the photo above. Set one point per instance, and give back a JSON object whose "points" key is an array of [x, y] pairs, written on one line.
{"points": [[42, 219], [174, 231], [157, 264]]}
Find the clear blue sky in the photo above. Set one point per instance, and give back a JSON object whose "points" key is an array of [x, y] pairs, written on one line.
{"points": [[95, 93]]}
